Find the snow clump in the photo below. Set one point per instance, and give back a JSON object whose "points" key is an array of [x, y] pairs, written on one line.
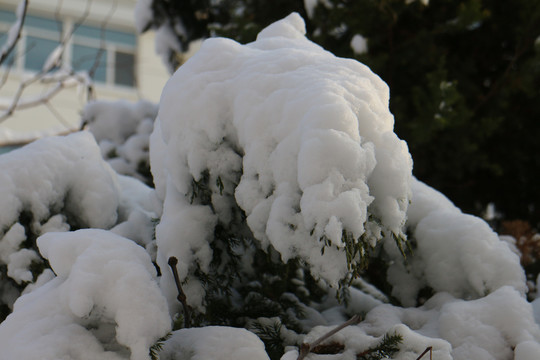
{"points": [[62, 183], [213, 342], [122, 130], [104, 302], [452, 252], [302, 141]]}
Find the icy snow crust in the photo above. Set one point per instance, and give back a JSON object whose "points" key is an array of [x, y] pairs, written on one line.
{"points": [[301, 140]]}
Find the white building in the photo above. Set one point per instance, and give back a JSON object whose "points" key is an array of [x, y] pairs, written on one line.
{"points": [[104, 42]]}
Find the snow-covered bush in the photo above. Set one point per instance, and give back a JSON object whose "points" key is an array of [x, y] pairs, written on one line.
{"points": [[104, 302], [277, 178], [278, 165], [62, 184], [293, 139], [453, 252], [122, 130]]}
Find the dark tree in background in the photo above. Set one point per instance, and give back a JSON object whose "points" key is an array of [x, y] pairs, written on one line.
{"points": [[464, 78]]}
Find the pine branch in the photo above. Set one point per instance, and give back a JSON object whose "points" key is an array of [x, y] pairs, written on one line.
{"points": [[306, 348], [158, 346], [388, 346], [181, 295]]}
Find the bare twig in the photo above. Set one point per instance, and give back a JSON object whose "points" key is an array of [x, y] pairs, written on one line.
{"points": [[430, 349], [60, 82], [306, 348], [181, 295], [14, 38]]}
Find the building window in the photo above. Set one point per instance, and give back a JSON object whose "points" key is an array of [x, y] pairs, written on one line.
{"points": [[91, 59], [40, 37], [6, 19], [124, 68], [107, 54]]}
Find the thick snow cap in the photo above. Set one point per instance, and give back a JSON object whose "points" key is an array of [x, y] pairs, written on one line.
{"points": [[300, 139]]}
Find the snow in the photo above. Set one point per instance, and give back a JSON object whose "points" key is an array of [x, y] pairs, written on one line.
{"points": [[15, 29], [105, 298], [310, 5], [166, 43], [213, 342], [303, 143], [455, 252], [272, 117], [52, 174], [61, 183], [143, 15], [423, 2], [54, 59], [486, 328], [359, 44], [122, 129]]}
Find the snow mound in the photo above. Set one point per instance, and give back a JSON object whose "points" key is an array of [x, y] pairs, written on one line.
{"points": [[302, 141], [213, 342], [453, 252], [104, 303], [122, 130], [63, 174], [62, 183], [487, 328]]}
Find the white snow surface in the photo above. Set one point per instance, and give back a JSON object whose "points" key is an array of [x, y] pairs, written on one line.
{"points": [[122, 130], [105, 302], [302, 141], [306, 136], [59, 173], [58, 181], [143, 14], [116, 121], [455, 252], [359, 44], [488, 328], [213, 342]]}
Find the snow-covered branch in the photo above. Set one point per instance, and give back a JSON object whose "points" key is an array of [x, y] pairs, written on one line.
{"points": [[61, 81], [14, 32]]}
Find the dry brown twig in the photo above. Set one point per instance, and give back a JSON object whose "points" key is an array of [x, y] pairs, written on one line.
{"points": [[306, 348], [428, 349], [181, 295]]}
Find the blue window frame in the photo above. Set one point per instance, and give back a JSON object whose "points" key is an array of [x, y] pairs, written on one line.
{"points": [[90, 59], [37, 51], [113, 36], [108, 53], [43, 24], [124, 68]]}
